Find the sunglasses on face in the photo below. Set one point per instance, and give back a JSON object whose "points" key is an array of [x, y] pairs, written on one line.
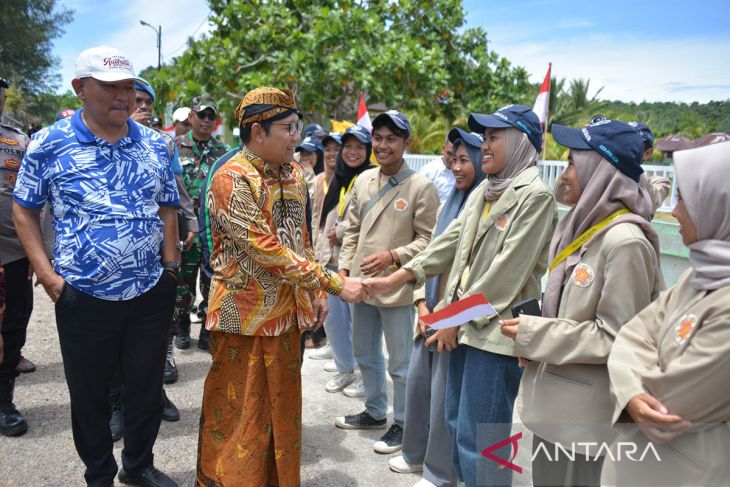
{"points": [[206, 114]]}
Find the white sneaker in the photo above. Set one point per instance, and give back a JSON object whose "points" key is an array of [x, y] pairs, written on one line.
{"points": [[330, 366], [425, 483], [356, 389], [324, 353], [340, 381], [398, 464]]}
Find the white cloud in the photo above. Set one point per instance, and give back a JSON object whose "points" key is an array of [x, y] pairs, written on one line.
{"points": [[685, 70], [179, 19]]}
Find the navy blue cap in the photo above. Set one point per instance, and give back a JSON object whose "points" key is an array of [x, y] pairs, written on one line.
{"points": [[516, 116], [617, 142], [399, 120], [310, 144], [4, 83], [146, 88], [336, 136], [65, 114], [314, 129], [470, 138], [360, 132], [646, 134]]}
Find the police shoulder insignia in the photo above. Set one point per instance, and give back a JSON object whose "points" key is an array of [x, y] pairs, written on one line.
{"points": [[684, 329], [583, 275]]}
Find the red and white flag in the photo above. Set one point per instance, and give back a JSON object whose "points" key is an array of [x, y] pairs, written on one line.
{"points": [[460, 312], [543, 97], [363, 117]]}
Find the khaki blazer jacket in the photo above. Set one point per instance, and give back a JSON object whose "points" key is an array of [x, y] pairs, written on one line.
{"points": [[678, 350], [401, 221], [507, 249], [565, 387]]}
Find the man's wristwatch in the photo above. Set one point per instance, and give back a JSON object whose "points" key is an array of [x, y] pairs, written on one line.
{"points": [[180, 245], [171, 267]]}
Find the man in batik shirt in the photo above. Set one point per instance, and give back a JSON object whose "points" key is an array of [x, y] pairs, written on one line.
{"points": [[266, 288]]}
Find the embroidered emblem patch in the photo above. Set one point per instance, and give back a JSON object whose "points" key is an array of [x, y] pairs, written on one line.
{"points": [[13, 164], [10, 178], [400, 204], [684, 329], [583, 275], [501, 222], [9, 141]]}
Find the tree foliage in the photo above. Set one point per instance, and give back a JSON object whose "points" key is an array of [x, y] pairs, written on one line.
{"points": [[27, 29], [414, 55]]}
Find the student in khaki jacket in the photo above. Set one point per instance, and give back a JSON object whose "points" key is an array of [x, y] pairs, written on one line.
{"points": [[392, 213], [352, 159], [604, 269], [497, 246], [670, 366], [426, 439]]}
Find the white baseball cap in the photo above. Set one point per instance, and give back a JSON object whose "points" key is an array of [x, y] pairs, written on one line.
{"points": [[181, 114], [105, 64]]}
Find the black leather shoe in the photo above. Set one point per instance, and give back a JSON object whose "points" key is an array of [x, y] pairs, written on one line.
{"points": [[12, 423], [182, 339], [169, 411], [170, 375], [116, 421], [204, 339], [148, 477]]}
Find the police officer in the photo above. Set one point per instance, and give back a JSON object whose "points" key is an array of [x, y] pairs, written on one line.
{"points": [[198, 151], [19, 299]]}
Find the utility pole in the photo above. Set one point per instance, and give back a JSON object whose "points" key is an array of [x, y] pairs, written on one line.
{"points": [[158, 31]]}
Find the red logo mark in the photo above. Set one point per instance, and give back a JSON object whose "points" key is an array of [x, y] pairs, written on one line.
{"points": [[512, 440]]}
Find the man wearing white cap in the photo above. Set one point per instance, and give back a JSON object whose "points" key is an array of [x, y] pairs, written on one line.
{"points": [[113, 196], [180, 121]]}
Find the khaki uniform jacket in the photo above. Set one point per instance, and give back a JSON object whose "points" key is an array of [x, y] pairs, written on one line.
{"points": [[566, 380], [510, 248], [678, 350], [401, 221]]}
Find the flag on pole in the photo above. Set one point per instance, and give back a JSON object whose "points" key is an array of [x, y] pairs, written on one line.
{"points": [[460, 312], [543, 98], [363, 117]]}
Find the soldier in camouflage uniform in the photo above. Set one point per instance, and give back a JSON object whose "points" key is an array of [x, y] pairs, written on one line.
{"points": [[19, 292], [198, 151]]}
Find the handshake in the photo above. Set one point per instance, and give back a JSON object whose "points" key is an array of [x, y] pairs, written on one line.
{"points": [[356, 289]]}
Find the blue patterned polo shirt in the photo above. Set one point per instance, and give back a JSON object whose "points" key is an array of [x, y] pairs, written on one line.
{"points": [[105, 198]]}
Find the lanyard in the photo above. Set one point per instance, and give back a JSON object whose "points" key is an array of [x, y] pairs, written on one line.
{"points": [[343, 193], [487, 207], [584, 237]]}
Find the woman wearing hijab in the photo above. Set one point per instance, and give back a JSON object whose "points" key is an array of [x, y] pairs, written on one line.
{"points": [[426, 439], [604, 268], [498, 247], [352, 159], [670, 365], [331, 144]]}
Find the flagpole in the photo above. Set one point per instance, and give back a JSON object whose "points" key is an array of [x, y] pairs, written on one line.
{"points": [[547, 112]]}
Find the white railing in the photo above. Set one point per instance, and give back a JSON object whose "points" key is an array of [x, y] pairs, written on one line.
{"points": [[550, 172]]}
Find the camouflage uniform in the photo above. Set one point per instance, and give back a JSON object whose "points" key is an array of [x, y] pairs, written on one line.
{"points": [[196, 159]]}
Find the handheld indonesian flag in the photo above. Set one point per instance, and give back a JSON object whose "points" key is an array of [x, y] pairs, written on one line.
{"points": [[363, 117], [460, 312], [543, 97]]}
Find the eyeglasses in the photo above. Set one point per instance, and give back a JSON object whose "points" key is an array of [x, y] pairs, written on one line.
{"points": [[293, 127], [206, 114]]}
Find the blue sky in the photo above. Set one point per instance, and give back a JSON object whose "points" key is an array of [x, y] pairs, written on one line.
{"points": [[636, 50]]}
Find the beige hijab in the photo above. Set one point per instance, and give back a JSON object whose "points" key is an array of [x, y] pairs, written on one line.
{"points": [[702, 178], [604, 190], [519, 154]]}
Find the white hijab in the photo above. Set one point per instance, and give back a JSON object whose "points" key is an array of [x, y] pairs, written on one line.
{"points": [[702, 179]]}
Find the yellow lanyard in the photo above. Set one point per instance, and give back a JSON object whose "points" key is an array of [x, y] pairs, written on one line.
{"points": [[343, 193], [584, 237], [487, 207], [325, 185]]}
